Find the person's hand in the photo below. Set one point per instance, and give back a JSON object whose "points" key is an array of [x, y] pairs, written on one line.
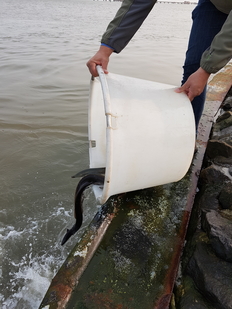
{"points": [[195, 84], [100, 58]]}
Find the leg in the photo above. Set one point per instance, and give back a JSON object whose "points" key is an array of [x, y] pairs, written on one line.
{"points": [[207, 22]]}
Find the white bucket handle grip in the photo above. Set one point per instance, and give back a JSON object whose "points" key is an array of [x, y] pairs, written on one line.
{"points": [[106, 95]]}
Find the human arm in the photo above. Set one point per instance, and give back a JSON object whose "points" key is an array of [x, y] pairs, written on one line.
{"points": [[220, 50], [120, 30], [126, 22], [212, 60]]}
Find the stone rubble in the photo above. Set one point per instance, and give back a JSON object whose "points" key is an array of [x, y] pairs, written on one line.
{"points": [[205, 280]]}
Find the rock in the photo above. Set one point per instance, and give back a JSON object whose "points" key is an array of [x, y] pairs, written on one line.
{"points": [[225, 197], [213, 175], [224, 116], [218, 148], [229, 93], [222, 161], [224, 135], [206, 281], [212, 276], [223, 121], [209, 199], [227, 104], [222, 129], [219, 231], [191, 298]]}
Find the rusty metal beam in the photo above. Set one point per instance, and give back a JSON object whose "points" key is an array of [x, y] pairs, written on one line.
{"points": [[129, 256]]}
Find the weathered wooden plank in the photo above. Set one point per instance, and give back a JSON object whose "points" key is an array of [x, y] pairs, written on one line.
{"points": [[129, 256]]}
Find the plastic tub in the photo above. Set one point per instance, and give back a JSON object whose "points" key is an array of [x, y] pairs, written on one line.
{"points": [[141, 131]]}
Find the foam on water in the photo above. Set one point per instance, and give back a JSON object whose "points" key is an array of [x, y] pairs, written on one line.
{"points": [[30, 274], [35, 278]]}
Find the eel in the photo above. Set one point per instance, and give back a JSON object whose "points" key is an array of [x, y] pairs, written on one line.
{"points": [[86, 181], [98, 171]]}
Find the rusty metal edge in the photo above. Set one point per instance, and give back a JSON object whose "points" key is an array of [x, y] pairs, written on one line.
{"points": [[59, 292], [67, 277]]}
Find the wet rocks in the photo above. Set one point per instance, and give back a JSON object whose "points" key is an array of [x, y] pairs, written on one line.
{"points": [[228, 102], [219, 148], [218, 226], [213, 282], [214, 176], [206, 269], [225, 197]]}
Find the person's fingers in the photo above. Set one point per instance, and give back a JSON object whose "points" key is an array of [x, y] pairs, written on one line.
{"points": [[178, 90], [186, 89], [104, 65], [92, 67], [195, 84], [183, 88], [190, 94], [100, 58]]}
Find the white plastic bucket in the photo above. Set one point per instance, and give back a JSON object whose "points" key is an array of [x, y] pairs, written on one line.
{"points": [[141, 131]]}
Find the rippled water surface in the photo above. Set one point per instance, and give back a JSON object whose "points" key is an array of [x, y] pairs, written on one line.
{"points": [[44, 86]]}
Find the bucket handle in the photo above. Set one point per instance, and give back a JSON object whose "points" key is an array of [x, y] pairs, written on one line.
{"points": [[108, 113], [106, 95]]}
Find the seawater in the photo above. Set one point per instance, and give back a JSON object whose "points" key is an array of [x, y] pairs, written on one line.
{"points": [[43, 122]]}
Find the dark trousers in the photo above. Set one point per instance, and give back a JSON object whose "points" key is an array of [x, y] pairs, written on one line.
{"points": [[207, 22]]}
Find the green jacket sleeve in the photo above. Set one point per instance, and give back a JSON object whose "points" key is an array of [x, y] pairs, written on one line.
{"points": [[220, 51], [127, 21]]}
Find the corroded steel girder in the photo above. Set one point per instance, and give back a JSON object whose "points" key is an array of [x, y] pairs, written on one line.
{"points": [[129, 255]]}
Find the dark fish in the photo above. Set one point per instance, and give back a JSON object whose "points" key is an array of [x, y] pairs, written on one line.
{"points": [[85, 182], [95, 171]]}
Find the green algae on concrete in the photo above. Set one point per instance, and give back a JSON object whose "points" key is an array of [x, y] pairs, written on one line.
{"points": [[129, 267]]}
